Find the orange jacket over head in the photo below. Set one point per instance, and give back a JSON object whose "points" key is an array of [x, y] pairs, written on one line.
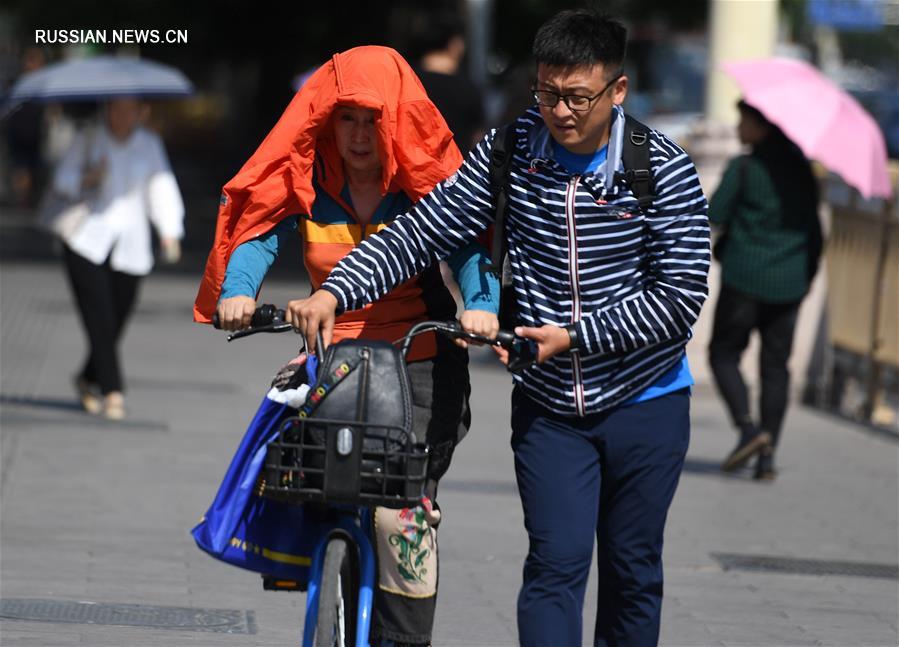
{"points": [[415, 145]]}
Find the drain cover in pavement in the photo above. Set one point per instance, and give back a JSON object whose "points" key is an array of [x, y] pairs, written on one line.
{"points": [[130, 615], [790, 565]]}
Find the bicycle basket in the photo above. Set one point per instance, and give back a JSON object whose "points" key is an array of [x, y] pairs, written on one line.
{"points": [[352, 441], [341, 461]]}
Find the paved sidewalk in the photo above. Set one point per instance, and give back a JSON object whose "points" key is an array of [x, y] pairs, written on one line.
{"points": [[100, 512]]}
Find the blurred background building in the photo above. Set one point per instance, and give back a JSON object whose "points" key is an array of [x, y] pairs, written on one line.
{"points": [[246, 59]]}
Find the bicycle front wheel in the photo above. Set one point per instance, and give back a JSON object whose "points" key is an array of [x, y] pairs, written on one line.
{"points": [[336, 623]]}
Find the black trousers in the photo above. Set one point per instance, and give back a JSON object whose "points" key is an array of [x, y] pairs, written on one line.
{"points": [[736, 316], [105, 299]]}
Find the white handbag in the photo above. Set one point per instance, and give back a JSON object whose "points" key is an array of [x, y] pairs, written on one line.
{"points": [[60, 215]]}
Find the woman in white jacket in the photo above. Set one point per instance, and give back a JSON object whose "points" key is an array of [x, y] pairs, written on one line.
{"points": [[122, 170]]}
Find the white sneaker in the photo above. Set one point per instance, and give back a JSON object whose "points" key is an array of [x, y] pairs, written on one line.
{"points": [[114, 406]]}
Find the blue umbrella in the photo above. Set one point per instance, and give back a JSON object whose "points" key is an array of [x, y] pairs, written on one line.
{"points": [[97, 78]]}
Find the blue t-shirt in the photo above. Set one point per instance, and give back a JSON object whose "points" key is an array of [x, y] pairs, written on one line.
{"points": [[674, 379], [577, 162], [678, 376]]}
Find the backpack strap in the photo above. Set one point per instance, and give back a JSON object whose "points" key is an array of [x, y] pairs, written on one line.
{"points": [[501, 155], [635, 155], [324, 386]]}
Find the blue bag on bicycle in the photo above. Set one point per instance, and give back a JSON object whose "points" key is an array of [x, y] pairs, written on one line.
{"points": [[247, 530]]}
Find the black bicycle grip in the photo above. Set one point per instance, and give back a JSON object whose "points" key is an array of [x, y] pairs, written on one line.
{"points": [[264, 315], [505, 338], [522, 354]]}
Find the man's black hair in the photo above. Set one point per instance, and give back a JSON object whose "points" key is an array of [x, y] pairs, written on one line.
{"points": [[581, 37]]}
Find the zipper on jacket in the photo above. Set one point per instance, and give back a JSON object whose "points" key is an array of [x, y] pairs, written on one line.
{"points": [[570, 195]]}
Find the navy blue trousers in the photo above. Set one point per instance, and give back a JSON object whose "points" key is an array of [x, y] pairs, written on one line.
{"points": [[612, 476]]}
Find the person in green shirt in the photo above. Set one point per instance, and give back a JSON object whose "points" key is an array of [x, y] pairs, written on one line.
{"points": [[767, 210]]}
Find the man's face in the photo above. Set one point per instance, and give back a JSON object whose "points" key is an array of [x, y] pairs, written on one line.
{"points": [[585, 131]]}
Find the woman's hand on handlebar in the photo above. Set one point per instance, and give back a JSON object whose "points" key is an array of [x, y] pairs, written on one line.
{"points": [[479, 322], [314, 314], [235, 313]]}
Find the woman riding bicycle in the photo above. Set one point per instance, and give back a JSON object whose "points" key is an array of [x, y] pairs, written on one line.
{"points": [[357, 146]]}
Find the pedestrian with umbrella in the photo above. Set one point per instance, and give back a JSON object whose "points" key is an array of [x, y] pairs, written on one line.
{"points": [[766, 207], [113, 183]]}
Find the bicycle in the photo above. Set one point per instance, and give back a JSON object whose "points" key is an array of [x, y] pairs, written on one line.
{"points": [[343, 467]]}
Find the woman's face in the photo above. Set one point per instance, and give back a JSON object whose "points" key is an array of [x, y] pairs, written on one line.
{"points": [[357, 138], [751, 130], [123, 115]]}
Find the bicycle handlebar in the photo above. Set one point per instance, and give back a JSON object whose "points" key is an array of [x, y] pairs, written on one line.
{"points": [[522, 351], [266, 318], [453, 330]]}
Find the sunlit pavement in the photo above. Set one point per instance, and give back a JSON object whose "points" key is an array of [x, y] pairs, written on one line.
{"points": [[100, 512]]}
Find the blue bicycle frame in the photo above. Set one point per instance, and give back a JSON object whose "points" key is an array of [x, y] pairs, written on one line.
{"points": [[347, 524]]}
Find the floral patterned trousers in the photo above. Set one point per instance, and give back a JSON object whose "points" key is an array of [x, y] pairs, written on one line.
{"points": [[406, 540]]}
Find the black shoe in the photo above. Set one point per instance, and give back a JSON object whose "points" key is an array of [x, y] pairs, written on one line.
{"points": [[752, 441], [764, 466]]}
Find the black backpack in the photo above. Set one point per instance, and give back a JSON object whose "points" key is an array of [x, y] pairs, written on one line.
{"points": [[353, 440], [637, 175]]}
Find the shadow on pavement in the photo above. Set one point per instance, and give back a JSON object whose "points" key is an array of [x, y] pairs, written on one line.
{"points": [[55, 404], [23, 413], [709, 467]]}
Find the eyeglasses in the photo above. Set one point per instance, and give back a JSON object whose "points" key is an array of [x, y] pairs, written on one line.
{"points": [[575, 102]]}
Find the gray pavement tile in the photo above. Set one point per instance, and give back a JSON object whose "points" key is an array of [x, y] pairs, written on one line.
{"points": [[685, 632], [828, 618], [24, 634], [855, 636], [90, 511], [890, 620], [747, 631]]}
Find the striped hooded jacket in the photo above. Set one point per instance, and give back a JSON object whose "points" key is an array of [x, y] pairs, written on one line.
{"points": [[581, 252]]}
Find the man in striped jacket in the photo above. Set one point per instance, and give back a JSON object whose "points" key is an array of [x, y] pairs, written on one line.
{"points": [[609, 293]]}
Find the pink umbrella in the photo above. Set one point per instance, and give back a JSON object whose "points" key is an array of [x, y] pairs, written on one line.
{"points": [[824, 121]]}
